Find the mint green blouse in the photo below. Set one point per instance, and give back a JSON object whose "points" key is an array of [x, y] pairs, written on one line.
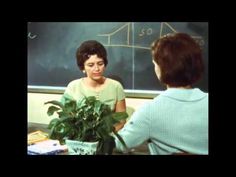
{"points": [[109, 94]]}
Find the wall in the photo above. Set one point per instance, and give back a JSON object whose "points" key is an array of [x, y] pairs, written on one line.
{"points": [[37, 111]]}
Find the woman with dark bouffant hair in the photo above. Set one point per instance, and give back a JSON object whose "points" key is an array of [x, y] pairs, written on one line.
{"points": [[176, 121], [91, 59]]}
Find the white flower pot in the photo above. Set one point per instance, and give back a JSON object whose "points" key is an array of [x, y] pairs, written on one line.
{"points": [[81, 148]]}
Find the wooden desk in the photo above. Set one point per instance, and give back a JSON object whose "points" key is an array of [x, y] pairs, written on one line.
{"points": [[140, 150]]}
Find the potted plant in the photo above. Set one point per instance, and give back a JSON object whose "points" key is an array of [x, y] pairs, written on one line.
{"points": [[88, 120]]}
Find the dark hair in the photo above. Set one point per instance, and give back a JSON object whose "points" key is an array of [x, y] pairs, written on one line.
{"points": [[87, 48], [180, 59]]}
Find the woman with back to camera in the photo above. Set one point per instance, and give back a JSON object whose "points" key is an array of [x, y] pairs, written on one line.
{"points": [[92, 60], [176, 121]]}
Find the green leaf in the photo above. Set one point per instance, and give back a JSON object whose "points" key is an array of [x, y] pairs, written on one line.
{"points": [[121, 140], [91, 99], [52, 109], [106, 110], [102, 133], [109, 122], [52, 123], [62, 114], [70, 106], [55, 102], [97, 106], [67, 98], [120, 115]]}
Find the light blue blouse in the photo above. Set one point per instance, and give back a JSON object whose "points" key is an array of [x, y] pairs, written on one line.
{"points": [[174, 121]]}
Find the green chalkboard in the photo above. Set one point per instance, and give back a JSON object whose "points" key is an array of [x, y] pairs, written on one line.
{"points": [[52, 47]]}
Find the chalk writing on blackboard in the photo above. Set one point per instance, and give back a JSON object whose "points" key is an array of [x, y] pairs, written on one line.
{"points": [[144, 31], [31, 36], [126, 43]]}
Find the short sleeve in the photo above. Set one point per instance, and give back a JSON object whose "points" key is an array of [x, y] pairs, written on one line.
{"points": [[68, 92], [120, 92], [69, 89]]}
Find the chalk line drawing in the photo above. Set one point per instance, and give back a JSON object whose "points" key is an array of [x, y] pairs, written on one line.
{"points": [[31, 36], [198, 39], [126, 43]]}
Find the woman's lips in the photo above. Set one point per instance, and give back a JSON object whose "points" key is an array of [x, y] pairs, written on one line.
{"points": [[96, 74]]}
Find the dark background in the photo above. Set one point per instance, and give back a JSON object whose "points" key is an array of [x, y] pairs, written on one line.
{"points": [[52, 47]]}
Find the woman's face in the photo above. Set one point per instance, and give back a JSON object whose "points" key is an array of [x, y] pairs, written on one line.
{"points": [[94, 67], [157, 69]]}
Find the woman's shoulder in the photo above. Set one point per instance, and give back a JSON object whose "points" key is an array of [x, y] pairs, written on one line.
{"points": [[75, 82], [113, 82]]}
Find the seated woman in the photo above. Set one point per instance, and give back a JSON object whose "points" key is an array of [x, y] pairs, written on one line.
{"points": [[176, 121], [92, 61]]}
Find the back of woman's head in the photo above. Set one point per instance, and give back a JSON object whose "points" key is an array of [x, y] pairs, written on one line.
{"points": [[88, 48], [180, 59]]}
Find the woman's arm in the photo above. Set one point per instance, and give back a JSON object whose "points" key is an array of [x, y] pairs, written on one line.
{"points": [[120, 107], [137, 129]]}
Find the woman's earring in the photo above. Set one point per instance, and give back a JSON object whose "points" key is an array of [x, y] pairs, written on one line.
{"points": [[84, 71]]}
